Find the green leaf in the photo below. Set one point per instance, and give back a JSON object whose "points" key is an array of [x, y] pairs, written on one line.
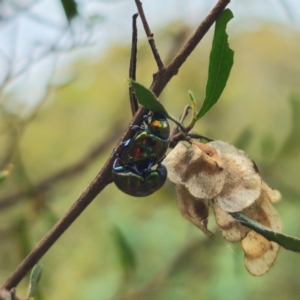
{"points": [[287, 242], [147, 98], [220, 63], [70, 9], [192, 98], [35, 277], [193, 102]]}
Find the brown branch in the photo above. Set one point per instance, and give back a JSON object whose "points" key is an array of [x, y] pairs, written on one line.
{"points": [[8, 295], [101, 180], [104, 177], [132, 66], [150, 35]]}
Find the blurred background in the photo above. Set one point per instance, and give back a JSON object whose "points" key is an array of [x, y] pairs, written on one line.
{"points": [[64, 105]]}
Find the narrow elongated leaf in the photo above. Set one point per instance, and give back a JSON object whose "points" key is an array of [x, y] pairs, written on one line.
{"points": [[147, 98], [35, 277], [220, 63], [287, 242]]}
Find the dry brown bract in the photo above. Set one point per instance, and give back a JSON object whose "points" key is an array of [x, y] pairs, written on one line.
{"points": [[220, 175]]}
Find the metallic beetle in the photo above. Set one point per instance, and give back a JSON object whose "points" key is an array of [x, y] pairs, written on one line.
{"points": [[138, 171]]}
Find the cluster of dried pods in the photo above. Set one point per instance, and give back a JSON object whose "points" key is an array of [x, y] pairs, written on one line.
{"points": [[219, 175]]}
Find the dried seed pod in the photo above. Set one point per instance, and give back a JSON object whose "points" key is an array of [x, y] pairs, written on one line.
{"points": [[193, 209], [231, 229], [242, 180], [272, 194], [200, 173], [225, 177], [260, 253]]}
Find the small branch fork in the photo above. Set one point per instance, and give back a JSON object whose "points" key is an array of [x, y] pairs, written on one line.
{"points": [[104, 177]]}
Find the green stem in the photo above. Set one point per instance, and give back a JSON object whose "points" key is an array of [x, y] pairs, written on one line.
{"points": [[191, 125], [177, 122]]}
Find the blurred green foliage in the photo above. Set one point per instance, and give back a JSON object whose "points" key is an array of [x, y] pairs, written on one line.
{"points": [[255, 110]]}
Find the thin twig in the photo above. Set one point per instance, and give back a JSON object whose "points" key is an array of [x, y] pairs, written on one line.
{"points": [[104, 177], [132, 66], [200, 137], [176, 134], [150, 35]]}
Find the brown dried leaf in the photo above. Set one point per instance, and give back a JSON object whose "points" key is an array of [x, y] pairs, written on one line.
{"points": [[242, 181], [193, 209], [201, 174]]}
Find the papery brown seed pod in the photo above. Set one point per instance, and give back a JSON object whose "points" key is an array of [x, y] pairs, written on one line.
{"points": [[260, 253], [242, 180], [201, 174], [220, 175], [193, 209]]}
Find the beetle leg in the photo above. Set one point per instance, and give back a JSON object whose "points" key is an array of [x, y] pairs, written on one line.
{"points": [[152, 162], [145, 118], [116, 153], [135, 168], [137, 127], [131, 160], [131, 164], [160, 160], [118, 158]]}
